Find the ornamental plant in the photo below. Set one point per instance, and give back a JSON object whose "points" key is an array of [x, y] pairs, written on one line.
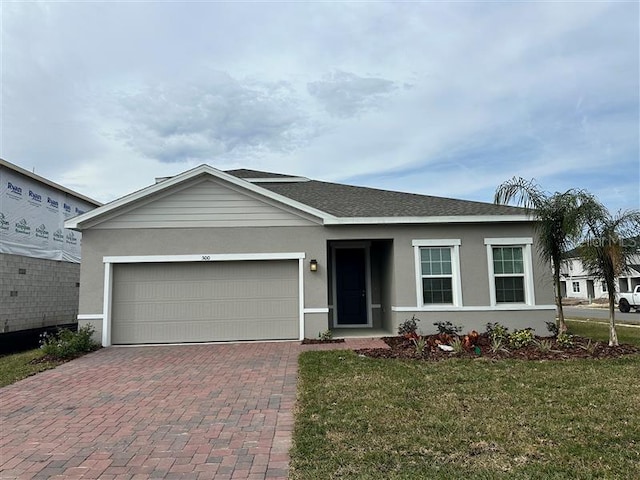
{"points": [[66, 344], [497, 331], [564, 340], [447, 328], [409, 327], [521, 338]]}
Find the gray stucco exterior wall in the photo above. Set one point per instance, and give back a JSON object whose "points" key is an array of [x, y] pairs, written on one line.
{"points": [[397, 293]]}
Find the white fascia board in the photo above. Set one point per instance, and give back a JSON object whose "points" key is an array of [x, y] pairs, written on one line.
{"points": [[205, 257], [423, 220], [76, 222]]}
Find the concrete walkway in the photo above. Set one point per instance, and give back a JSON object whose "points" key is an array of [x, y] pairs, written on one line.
{"points": [[190, 411]]}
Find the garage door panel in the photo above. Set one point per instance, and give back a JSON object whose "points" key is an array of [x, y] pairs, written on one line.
{"points": [[194, 302], [194, 331], [210, 311], [193, 290]]}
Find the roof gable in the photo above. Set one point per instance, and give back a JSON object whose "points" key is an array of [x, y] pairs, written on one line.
{"points": [[207, 202], [171, 185]]}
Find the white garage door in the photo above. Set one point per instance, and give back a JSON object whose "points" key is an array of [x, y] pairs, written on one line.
{"points": [[205, 301]]}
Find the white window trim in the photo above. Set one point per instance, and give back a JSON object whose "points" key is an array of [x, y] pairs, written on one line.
{"points": [[525, 243], [575, 284], [511, 307], [456, 280]]}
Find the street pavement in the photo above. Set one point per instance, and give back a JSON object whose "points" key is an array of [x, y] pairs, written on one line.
{"points": [[632, 317]]}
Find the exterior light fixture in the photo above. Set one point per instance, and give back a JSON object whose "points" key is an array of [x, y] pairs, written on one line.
{"points": [[313, 265]]}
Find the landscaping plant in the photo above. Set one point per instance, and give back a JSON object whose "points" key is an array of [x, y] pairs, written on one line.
{"points": [[447, 328], [564, 340], [521, 338], [420, 343], [409, 328], [609, 250], [544, 346], [497, 330], [66, 344], [560, 218], [326, 336]]}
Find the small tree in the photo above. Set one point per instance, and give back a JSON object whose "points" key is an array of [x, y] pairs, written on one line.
{"points": [[560, 218], [611, 242]]}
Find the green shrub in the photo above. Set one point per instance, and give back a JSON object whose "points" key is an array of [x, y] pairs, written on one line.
{"points": [[544, 346], [326, 335], [447, 328], [497, 345], [564, 340], [521, 338], [458, 346], [409, 327], [497, 330], [420, 344], [67, 344]]}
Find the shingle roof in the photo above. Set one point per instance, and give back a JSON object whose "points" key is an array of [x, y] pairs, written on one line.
{"points": [[244, 173], [350, 201]]}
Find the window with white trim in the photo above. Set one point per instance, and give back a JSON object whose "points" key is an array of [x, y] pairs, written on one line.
{"points": [[576, 287], [604, 287], [437, 275], [510, 270], [437, 272]]}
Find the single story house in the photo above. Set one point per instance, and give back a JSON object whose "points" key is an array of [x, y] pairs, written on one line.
{"points": [[212, 255]]}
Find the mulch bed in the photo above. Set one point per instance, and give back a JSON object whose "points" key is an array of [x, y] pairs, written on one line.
{"points": [[401, 347], [317, 341]]}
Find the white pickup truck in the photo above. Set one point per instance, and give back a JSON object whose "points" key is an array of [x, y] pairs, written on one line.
{"points": [[629, 300]]}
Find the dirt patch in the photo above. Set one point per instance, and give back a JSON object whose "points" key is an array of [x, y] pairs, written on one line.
{"points": [[543, 348]]}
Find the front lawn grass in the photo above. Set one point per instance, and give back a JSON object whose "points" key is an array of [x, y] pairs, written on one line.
{"points": [[599, 331], [17, 366], [365, 418]]}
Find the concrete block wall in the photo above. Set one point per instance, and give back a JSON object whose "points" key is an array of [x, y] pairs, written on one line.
{"points": [[36, 293]]}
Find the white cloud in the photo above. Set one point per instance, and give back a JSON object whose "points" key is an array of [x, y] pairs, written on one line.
{"points": [[209, 117], [436, 98], [345, 94]]}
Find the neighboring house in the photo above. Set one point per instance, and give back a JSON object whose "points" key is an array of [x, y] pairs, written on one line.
{"points": [[209, 255], [577, 282], [39, 258]]}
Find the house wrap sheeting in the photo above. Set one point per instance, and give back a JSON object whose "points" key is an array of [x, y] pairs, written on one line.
{"points": [[32, 216]]}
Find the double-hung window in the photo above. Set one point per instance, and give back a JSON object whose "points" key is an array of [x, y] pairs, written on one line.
{"points": [[576, 287], [510, 270], [438, 272]]}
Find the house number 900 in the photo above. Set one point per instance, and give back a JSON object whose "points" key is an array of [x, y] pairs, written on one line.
{"points": [[206, 257]]}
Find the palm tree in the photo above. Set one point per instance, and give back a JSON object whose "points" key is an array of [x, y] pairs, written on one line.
{"points": [[610, 244], [560, 218]]}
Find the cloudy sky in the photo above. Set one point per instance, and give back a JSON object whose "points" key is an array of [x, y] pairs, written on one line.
{"points": [[442, 98]]}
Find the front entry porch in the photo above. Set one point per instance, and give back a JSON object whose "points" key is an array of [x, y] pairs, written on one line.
{"points": [[359, 287]]}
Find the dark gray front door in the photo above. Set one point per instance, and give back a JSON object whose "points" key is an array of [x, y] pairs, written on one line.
{"points": [[351, 286]]}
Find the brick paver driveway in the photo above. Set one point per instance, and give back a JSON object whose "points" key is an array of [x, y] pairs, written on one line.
{"points": [[188, 411]]}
